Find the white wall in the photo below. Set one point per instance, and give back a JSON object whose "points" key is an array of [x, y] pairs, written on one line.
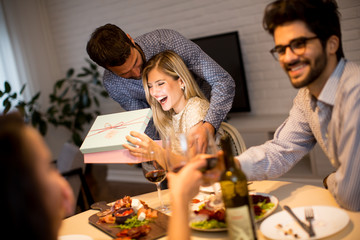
{"points": [[70, 23], [73, 21]]}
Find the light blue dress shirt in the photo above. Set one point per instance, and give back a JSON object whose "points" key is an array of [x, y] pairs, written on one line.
{"points": [[332, 121]]}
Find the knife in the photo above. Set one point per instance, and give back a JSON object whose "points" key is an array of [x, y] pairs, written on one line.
{"points": [[303, 225]]}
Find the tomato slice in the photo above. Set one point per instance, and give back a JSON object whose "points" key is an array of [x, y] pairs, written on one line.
{"points": [[195, 200]]}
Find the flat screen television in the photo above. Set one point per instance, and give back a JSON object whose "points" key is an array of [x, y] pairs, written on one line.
{"points": [[225, 50]]}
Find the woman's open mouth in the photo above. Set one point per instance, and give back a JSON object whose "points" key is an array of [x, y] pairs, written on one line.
{"points": [[162, 100]]}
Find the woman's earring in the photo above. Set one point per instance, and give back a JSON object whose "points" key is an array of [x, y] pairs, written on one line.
{"points": [[183, 88]]}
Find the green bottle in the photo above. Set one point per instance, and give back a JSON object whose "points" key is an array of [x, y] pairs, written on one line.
{"points": [[236, 199]]}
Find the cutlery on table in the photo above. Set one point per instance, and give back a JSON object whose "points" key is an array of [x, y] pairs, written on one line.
{"points": [[303, 225], [309, 216]]}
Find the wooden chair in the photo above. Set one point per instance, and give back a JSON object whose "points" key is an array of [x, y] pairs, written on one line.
{"points": [[238, 144]]}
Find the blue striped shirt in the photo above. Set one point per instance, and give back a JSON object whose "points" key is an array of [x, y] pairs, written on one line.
{"points": [[332, 121], [214, 81]]}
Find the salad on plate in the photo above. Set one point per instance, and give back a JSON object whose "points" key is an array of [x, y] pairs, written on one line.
{"points": [[208, 211]]}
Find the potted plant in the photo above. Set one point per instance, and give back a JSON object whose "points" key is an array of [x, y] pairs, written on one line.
{"points": [[28, 109], [74, 102]]}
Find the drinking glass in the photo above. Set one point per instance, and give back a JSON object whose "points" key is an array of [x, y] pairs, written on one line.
{"points": [[177, 154], [154, 173], [210, 174], [211, 152], [187, 147]]}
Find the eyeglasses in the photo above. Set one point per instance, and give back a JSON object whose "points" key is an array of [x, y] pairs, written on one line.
{"points": [[297, 46]]}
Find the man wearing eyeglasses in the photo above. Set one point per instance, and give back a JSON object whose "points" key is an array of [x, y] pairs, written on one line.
{"points": [[326, 110]]}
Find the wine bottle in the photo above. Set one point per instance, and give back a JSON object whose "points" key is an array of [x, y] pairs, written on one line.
{"points": [[236, 199]]}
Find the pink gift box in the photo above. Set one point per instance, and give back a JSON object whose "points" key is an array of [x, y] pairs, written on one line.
{"points": [[116, 156], [103, 143]]}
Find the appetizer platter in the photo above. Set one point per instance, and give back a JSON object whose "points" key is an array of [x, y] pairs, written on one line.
{"points": [[208, 213], [129, 218]]}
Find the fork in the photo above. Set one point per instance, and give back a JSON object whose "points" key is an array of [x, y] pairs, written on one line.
{"points": [[309, 216]]}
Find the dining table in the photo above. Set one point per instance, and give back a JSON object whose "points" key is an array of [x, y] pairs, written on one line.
{"points": [[293, 194]]}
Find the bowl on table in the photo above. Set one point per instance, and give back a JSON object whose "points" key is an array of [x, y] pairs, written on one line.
{"points": [[123, 214]]}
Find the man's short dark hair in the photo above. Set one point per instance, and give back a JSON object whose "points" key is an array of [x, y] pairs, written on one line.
{"points": [[320, 16], [109, 46]]}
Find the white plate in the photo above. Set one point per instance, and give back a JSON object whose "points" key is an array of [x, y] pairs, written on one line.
{"points": [[209, 230], [273, 199], [211, 189], [327, 221], [75, 237]]}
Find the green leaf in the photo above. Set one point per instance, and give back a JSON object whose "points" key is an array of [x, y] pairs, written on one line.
{"points": [[52, 97], [13, 96], [104, 94], [91, 64], [22, 88], [42, 127], [6, 102], [89, 117], [7, 87], [59, 84], [97, 103], [76, 139], [86, 70], [21, 109], [53, 122], [82, 75], [70, 73], [62, 95], [67, 124], [85, 100], [36, 117], [51, 110], [95, 80], [7, 107], [66, 109], [34, 98]]}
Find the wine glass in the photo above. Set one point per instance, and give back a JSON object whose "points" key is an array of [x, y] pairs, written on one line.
{"points": [[177, 154], [154, 173], [212, 170]]}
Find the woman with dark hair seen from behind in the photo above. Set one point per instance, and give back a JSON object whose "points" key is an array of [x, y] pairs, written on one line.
{"points": [[35, 196]]}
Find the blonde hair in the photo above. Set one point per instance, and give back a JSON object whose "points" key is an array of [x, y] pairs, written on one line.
{"points": [[172, 65]]}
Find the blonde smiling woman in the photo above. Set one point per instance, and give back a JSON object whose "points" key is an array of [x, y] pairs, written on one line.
{"points": [[177, 102]]}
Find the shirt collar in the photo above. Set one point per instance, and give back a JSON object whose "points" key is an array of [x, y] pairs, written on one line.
{"points": [[328, 93]]}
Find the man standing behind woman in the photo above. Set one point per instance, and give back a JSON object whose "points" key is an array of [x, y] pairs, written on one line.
{"points": [[177, 103], [124, 58]]}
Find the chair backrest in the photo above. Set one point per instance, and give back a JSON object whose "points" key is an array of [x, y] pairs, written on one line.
{"points": [[238, 144], [71, 165], [70, 158]]}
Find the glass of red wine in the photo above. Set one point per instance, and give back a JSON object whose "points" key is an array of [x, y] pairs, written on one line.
{"points": [[154, 173]]}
